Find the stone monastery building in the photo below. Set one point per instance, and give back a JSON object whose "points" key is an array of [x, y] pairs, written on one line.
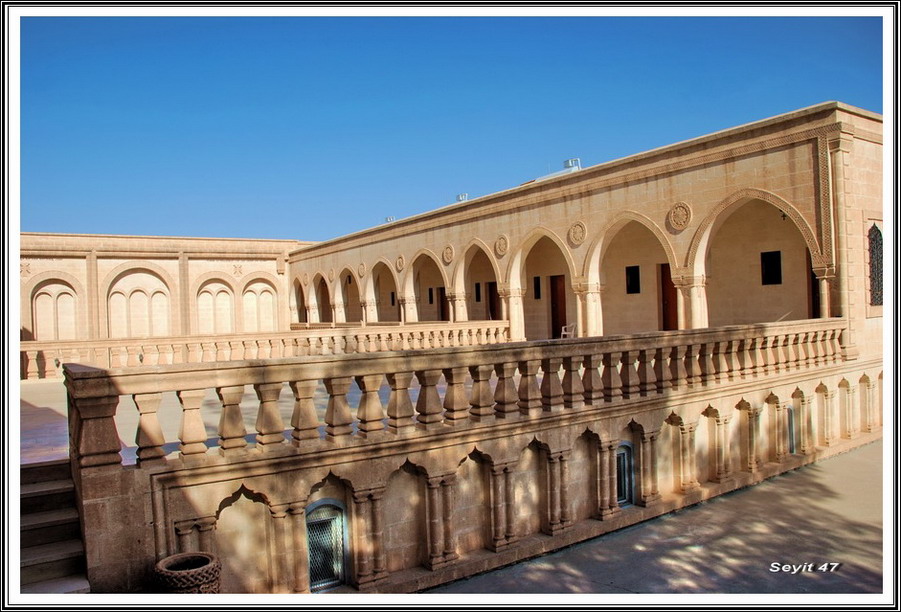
{"points": [[501, 377]]}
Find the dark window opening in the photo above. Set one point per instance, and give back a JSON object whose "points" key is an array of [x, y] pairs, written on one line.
{"points": [[771, 268], [624, 475], [537, 287], [392, 298], [875, 248], [349, 279], [633, 279], [431, 296], [478, 292]]}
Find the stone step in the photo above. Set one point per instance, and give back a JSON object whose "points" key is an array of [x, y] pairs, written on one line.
{"points": [[44, 471], [50, 561], [66, 585], [47, 495], [50, 526]]}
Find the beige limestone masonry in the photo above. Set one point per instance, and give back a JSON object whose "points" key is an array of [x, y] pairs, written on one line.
{"points": [[721, 298]]}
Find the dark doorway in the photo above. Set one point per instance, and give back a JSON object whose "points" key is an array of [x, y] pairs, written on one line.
{"points": [[443, 305], [669, 312], [558, 304], [494, 302], [813, 293]]}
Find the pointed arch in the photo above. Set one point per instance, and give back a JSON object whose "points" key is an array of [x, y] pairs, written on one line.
{"points": [[592, 266], [701, 238]]}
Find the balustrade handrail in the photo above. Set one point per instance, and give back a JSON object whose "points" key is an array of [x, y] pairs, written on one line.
{"points": [[326, 329], [86, 381]]}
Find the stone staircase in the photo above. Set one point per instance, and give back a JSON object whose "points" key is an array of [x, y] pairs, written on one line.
{"points": [[52, 552]]}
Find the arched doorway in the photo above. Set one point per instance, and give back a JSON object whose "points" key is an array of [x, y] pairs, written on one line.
{"points": [[327, 544], [483, 301], [549, 303], [384, 291], [758, 268], [639, 294], [323, 300], [350, 297], [429, 290]]}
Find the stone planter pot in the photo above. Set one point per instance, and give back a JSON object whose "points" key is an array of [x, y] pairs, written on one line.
{"points": [[193, 572]]}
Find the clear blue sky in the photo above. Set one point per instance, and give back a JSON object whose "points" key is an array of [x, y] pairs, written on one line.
{"points": [[310, 128]]}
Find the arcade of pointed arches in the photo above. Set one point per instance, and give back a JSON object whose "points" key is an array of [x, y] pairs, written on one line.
{"points": [[544, 285]]}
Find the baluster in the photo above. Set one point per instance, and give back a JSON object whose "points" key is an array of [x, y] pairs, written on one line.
{"points": [[370, 413], [133, 360], [208, 352], [192, 432], [529, 395], [400, 408], [805, 356], [263, 349], [757, 356], [692, 365], [551, 389], [236, 350], [456, 406], [662, 369], [269, 424], [481, 401], [221, 351], [768, 355], [833, 347], [647, 381], [149, 436], [337, 415], [613, 382], [428, 404], [573, 390], [505, 395], [304, 419], [592, 385], [720, 361], [250, 349], [677, 367], [97, 441], [151, 355], [629, 374], [231, 421], [705, 360]]}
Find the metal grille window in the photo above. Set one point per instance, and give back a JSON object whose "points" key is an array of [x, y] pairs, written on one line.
{"points": [[875, 239], [325, 535], [624, 475]]}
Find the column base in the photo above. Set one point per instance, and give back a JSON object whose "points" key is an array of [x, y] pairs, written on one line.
{"points": [[608, 513], [649, 500]]}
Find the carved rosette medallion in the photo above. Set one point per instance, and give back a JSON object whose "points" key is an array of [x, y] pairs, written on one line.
{"points": [[679, 215], [331, 275], [306, 279], [400, 262], [238, 271], [501, 246], [447, 255], [577, 233], [361, 269], [24, 268]]}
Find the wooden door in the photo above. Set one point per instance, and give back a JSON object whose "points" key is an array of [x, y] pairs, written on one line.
{"points": [[668, 302], [558, 304]]}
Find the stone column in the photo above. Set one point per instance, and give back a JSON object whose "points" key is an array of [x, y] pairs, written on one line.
{"points": [[648, 451], [565, 511], [753, 435], [512, 299], [498, 507], [192, 432], [589, 296], [687, 456], [297, 510], [435, 532], [510, 499], [362, 526], [269, 424], [457, 303], [871, 407], [379, 569], [231, 423], [279, 514], [447, 517], [853, 414]]}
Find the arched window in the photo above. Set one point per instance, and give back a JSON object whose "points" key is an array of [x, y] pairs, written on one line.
{"points": [[875, 248], [327, 542], [624, 475]]}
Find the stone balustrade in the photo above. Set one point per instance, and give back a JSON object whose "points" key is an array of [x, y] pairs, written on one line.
{"points": [[531, 380], [45, 359]]}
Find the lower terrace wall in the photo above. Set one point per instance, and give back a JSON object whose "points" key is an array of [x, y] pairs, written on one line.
{"points": [[509, 451]]}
